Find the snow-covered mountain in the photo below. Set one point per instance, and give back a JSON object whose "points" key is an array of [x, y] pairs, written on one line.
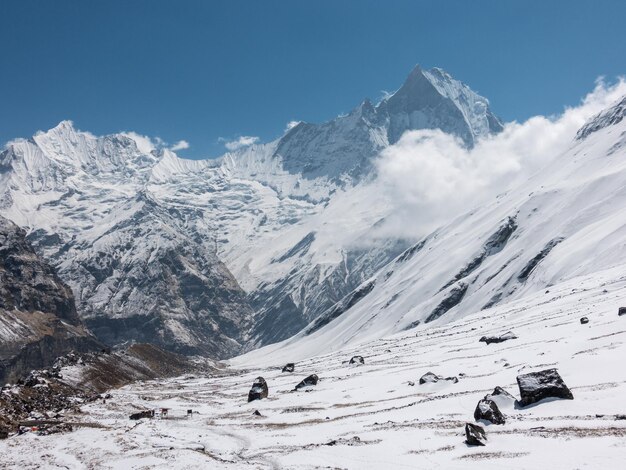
{"points": [[140, 271], [148, 241], [565, 222]]}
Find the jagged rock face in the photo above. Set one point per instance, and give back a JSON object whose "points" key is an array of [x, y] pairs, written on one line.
{"points": [[143, 279], [345, 146], [141, 270], [38, 320], [28, 283]]}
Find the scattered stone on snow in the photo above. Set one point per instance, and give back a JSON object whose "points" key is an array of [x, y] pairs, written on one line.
{"points": [[584, 320], [308, 382], [430, 377], [289, 367], [259, 390], [488, 410], [536, 386], [475, 435], [621, 311], [257, 413], [498, 339], [142, 415], [358, 360], [501, 397]]}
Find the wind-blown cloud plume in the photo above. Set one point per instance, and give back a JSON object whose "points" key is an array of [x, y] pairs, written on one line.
{"points": [[429, 177]]}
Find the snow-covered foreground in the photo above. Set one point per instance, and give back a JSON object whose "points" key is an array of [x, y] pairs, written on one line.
{"points": [[369, 416]]}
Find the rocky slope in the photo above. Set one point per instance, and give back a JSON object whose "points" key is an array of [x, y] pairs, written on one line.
{"points": [[38, 319]]}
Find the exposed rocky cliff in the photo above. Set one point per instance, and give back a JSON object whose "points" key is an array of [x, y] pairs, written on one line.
{"points": [[38, 319]]}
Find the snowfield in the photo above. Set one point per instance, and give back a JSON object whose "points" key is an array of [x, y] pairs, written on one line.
{"points": [[377, 415]]}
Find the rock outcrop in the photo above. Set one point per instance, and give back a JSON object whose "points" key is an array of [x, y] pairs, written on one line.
{"points": [[38, 319]]}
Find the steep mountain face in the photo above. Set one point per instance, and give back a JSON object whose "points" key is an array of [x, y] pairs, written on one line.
{"points": [[38, 319], [566, 222], [342, 149], [140, 271], [321, 257], [148, 241]]}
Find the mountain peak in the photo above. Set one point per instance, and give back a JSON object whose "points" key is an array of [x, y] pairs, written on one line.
{"points": [[608, 117]]}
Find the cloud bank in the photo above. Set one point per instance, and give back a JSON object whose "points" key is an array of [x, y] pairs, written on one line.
{"points": [[429, 177]]}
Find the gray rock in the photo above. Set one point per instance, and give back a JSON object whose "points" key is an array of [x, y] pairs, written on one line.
{"points": [[537, 386], [259, 390], [142, 415], [498, 339], [584, 320], [310, 381], [430, 377], [475, 435], [488, 410], [290, 367], [358, 360]]}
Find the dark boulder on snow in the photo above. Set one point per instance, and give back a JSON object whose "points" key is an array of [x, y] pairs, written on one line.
{"points": [[290, 367], [488, 410], [536, 386], [259, 390], [584, 320], [430, 377], [500, 395], [501, 398], [256, 413], [358, 360], [621, 311], [475, 435], [499, 391], [308, 382], [142, 415], [498, 339]]}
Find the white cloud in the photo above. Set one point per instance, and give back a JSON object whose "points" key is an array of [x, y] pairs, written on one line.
{"points": [[385, 95], [243, 141], [180, 145], [144, 143], [429, 177], [291, 124]]}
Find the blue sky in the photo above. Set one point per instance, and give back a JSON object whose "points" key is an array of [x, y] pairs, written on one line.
{"points": [[205, 71]]}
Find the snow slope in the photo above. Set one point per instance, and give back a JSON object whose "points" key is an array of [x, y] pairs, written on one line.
{"points": [[370, 416], [567, 220]]}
